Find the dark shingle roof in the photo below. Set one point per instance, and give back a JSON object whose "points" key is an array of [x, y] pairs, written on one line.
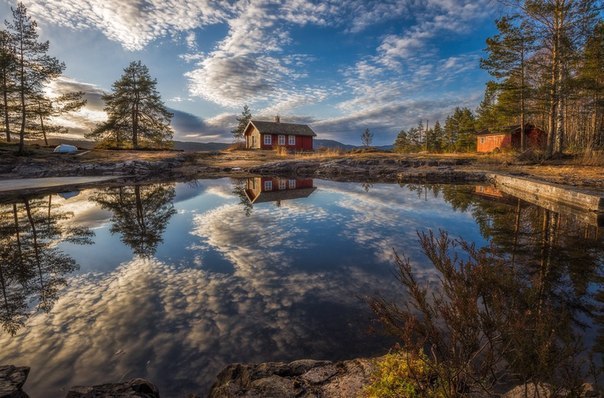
{"points": [[282, 128], [506, 130]]}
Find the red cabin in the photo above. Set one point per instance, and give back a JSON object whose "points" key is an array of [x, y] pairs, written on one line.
{"points": [[509, 138], [268, 135]]}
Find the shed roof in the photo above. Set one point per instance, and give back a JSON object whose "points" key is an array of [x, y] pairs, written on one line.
{"points": [[265, 127], [508, 130]]}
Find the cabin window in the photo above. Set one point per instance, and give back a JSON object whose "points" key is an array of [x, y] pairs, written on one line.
{"points": [[482, 140], [291, 139], [282, 184], [268, 185], [281, 140], [267, 139], [292, 184]]}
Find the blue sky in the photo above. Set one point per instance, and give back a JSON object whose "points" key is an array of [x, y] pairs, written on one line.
{"points": [[341, 66]]}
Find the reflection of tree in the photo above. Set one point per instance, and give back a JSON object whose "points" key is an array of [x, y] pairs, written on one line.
{"points": [[239, 191], [555, 263], [485, 324], [31, 264], [140, 214]]}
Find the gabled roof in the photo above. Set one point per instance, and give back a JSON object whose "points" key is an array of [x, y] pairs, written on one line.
{"points": [[266, 127]]}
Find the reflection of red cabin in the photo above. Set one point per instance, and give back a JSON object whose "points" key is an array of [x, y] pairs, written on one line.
{"points": [[488, 190], [268, 135], [269, 189], [509, 138]]}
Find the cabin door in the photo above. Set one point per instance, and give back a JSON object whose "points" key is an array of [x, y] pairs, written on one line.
{"points": [[253, 141]]}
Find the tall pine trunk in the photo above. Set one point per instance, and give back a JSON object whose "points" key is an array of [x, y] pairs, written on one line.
{"points": [[5, 106], [22, 94]]}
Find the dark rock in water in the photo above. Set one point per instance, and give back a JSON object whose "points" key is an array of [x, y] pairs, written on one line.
{"points": [[12, 379], [133, 388], [303, 378]]}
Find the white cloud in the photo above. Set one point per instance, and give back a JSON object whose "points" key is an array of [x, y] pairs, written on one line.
{"points": [[250, 64], [135, 23]]}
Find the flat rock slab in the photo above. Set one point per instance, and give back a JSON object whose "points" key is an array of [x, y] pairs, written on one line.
{"points": [[303, 378], [52, 182]]}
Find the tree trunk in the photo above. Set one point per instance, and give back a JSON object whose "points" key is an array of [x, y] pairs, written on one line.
{"points": [[5, 106], [42, 124], [22, 92]]}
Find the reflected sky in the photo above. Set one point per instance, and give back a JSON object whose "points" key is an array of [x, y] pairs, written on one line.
{"points": [[224, 282]]}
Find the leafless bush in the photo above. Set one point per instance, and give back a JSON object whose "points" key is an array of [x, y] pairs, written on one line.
{"points": [[485, 325]]}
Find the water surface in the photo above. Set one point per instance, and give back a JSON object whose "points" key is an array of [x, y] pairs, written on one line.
{"points": [[173, 281]]}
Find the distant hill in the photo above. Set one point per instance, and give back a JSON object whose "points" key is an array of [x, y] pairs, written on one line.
{"points": [[189, 146], [200, 146], [332, 144]]}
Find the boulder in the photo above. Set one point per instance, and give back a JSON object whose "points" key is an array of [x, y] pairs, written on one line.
{"points": [[139, 388], [12, 379]]}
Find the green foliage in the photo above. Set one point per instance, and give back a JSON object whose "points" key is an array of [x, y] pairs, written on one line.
{"points": [[242, 122], [402, 374], [33, 67], [135, 111], [460, 131]]}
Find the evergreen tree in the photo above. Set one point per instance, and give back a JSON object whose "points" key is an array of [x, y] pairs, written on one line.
{"points": [[402, 143], [242, 122], [34, 68], [433, 138], [508, 52], [460, 131], [366, 138], [47, 108], [135, 110], [561, 28], [8, 63], [591, 77]]}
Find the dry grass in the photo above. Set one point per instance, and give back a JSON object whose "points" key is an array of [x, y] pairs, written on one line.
{"points": [[591, 158]]}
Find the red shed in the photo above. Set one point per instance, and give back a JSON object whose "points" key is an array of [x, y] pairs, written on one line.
{"points": [[261, 134], [509, 137]]}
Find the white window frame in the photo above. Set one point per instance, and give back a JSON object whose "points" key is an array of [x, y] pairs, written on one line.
{"points": [[291, 184], [281, 139], [268, 185], [291, 139], [282, 184], [268, 139]]}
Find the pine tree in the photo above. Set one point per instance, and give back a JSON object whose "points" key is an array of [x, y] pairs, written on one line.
{"points": [[591, 77], [242, 122], [402, 143], [460, 131], [561, 28], [433, 138], [46, 108], [8, 63], [508, 52], [135, 110], [34, 68]]}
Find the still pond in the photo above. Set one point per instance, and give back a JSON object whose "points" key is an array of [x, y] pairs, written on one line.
{"points": [[173, 281]]}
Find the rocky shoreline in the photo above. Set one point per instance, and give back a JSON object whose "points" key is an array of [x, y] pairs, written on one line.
{"points": [[303, 378], [387, 169]]}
